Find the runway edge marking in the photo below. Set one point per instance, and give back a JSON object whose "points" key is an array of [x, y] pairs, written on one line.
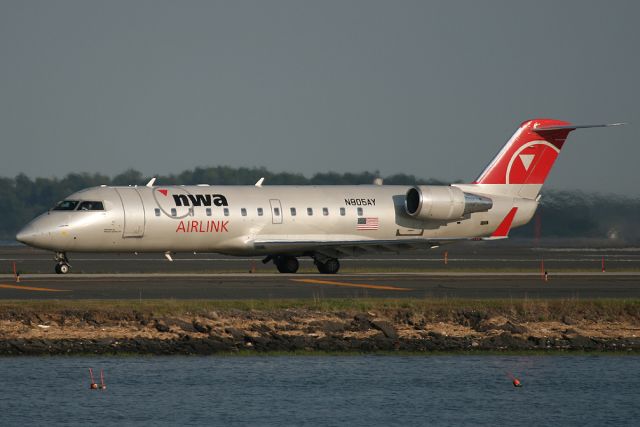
{"points": [[352, 285], [31, 288]]}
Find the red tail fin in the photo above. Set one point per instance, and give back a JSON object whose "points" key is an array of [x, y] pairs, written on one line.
{"points": [[529, 155]]}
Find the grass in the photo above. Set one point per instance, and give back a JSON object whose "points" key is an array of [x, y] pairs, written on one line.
{"points": [[434, 309]]}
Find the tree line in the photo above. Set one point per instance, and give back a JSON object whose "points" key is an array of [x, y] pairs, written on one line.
{"points": [[561, 213]]}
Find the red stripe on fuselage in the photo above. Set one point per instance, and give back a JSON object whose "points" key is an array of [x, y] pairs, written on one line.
{"points": [[505, 225]]}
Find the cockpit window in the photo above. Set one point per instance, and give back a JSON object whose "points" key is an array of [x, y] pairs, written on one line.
{"points": [[91, 206], [66, 205]]}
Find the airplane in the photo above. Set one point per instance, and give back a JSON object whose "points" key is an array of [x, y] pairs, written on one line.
{"points": [[326, 223]]}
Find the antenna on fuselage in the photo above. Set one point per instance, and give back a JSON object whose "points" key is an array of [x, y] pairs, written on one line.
{"points": [[260, 181], [151, 181]]}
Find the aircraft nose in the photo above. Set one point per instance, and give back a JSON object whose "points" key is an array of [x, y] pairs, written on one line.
{"points": [[26, 235], [35, 234]]}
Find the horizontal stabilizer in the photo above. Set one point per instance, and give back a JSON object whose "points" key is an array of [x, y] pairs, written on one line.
{"points": [[573, 127]]}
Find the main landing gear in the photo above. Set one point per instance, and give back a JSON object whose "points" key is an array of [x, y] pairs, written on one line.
{"points": [[286, 263], [290, 264], [62, 266], [328, 266]]}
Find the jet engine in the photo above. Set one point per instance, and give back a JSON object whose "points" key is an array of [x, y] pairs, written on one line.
{"points": [[429, 202]]}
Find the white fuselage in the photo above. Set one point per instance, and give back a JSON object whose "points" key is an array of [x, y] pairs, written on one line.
{"points": [[323, 222], [248, 219]]}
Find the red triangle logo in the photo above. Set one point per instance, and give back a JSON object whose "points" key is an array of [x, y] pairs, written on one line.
{"points": [[164, 192]]}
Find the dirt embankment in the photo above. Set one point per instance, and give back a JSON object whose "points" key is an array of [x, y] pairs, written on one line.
{"points": [[418, 328]]}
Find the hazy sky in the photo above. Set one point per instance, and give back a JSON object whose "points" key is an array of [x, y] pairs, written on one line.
{"points": [[428, 88]]}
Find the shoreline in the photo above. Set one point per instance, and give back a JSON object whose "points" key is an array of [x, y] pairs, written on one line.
{"points": [[126, 348], [319, 327]]}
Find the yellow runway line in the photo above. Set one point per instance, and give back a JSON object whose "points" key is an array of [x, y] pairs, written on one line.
{"points": [[31, 288], [352, 285]]}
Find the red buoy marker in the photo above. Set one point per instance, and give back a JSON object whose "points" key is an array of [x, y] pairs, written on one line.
{"points": [[516, 382], [102, 386], [93, 385]]}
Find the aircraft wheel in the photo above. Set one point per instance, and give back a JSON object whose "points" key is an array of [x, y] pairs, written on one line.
{"points": [[330, 266], [62, 268], [287, 264]]}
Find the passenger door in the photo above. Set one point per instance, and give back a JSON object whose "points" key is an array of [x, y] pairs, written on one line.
{"points": [[134, 215], [276, 211]]}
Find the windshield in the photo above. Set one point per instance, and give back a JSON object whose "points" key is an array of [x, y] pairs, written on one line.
{"points": [[66, 205], [91, 206]]}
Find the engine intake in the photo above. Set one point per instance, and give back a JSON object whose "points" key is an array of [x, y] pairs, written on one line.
{"points": [[427, 202]]}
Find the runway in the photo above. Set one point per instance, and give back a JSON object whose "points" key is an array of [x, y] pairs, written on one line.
{"points": [[470, 271], [316, 286], [469, 256]]}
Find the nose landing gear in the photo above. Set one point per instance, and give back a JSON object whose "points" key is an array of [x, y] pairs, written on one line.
{"points": [[62, 266]]}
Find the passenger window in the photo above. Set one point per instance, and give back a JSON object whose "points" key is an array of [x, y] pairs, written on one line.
{"points": [[91, 206], [226, 211], [293, 211], [309, 211], [343, 211], [208, 211], [276, 211], [157, 211], [260, 212], [66, 205], [174, 212], [360, 212], [243, 212], [325, 211]]}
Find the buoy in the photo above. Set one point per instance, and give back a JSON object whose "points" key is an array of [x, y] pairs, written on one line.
{"points": [[516, 382], [93, 385], [103, 386]]}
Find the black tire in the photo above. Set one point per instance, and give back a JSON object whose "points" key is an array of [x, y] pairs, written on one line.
{"points": [[330, 266], [287, 264], [62, 268], [58, 270]]}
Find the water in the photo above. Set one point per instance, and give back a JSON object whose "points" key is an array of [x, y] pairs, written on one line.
{"points": [[325, 390]]}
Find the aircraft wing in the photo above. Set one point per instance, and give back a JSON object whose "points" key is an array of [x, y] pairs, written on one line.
{"points": [[342, 248]]}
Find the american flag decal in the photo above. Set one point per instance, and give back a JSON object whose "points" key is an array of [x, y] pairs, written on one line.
{"points": [[367, 224]]}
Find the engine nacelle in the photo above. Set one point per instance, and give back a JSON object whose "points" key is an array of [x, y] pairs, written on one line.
{"points": [[426, 202]]}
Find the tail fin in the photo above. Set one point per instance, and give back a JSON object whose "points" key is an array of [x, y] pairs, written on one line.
{"points": [[522, 166]]}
